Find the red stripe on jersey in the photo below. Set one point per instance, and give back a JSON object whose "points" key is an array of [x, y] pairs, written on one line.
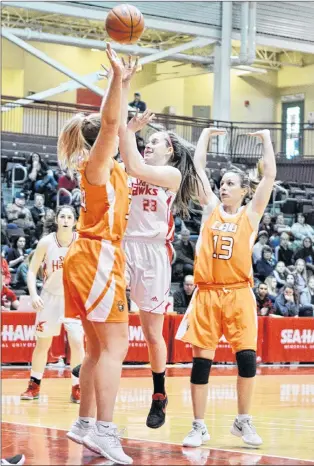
{"points": [[170, 233]]}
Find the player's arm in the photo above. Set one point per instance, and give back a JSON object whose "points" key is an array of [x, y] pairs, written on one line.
{"points": [[129, 70], [164, 176], [104, 148], [206, 196], [34, 267], [264, 189]]}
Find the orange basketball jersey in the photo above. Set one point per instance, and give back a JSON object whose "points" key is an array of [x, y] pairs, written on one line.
{"points": [[224, 249], [104, 209]]}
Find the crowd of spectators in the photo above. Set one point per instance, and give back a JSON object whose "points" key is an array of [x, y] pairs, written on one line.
{"points": [[282, 258], [26, 219]]}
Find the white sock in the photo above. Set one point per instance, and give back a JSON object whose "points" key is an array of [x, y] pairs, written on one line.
{"points": [[37, 375], [104, 425], [87, 420], [200, 421], [75, 380], [243, 417]]}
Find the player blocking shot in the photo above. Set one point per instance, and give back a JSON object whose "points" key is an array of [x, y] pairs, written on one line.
{"points": [[50, 253], [223, 302]]}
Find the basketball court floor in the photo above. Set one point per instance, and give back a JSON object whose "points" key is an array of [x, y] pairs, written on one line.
{"points": [[283, 413]]}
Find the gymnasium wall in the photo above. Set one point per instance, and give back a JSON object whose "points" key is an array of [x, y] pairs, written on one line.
{"points": [[161, 85]]}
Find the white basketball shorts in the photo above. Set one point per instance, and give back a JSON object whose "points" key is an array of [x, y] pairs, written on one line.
{"points": [[51, 317], [148, 274]]}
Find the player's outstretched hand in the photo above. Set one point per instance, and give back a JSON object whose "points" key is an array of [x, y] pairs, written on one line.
{"points": [[263, 135], [115, 62], [129, 69], [37, 303], [139, 121]]}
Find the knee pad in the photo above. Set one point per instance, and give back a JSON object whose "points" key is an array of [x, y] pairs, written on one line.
{"points": [[200, 371], [246, 361]]}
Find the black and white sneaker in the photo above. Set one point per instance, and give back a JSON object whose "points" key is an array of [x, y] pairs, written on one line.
{"points": [[157, 414], [197, 436], [246, 431], [14, 460]]}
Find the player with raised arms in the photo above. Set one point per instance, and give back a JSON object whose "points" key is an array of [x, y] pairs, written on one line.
{"points": [[50, 253], [94, 269], [165, 175], [223, 302]]}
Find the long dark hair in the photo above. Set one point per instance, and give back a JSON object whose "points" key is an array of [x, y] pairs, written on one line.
{"points": [[43, 164], [183, 161]]}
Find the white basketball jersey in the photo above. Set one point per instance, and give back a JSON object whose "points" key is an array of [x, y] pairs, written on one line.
{"points": [[150, 214], [53, 265]]}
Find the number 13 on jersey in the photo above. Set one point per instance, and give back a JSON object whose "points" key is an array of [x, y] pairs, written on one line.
{"points": [[223, 247]]}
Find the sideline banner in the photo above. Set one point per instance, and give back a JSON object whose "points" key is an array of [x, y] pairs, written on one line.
{"points": [[279, 340], [289, 339], [18, 338]]}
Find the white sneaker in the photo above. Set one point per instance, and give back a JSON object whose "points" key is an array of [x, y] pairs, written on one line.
{"points": [[107, 443], [246, 431], [197, 436], [78, 430]]}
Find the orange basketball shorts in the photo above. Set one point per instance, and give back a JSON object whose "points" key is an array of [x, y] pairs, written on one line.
{"points": [[94, 282], [215, 312]]}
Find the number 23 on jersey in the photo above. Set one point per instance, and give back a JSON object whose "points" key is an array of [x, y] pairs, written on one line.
{"points": [[149, 205]]}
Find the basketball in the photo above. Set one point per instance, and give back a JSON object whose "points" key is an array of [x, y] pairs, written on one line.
{"points": [[125, 24]]}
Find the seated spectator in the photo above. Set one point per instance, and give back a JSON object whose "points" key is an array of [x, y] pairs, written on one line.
{"points": [[267, 225], [185, 252], [39, 210], [21, 275], [307, 300], [280, 275], [5, 271], [286, 303], [290, 280], [280, 226], [20, 215], [8, 298], [271, 283], [259, 245], [301, 230], [265, 266], [37, 170], [16, 254], [300, 275], [283, 253], [182, 298], [263, 302], [306, 253], [41, 179]]}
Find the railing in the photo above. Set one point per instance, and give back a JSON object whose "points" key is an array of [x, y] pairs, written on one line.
{"points": [[14, 180], [47, 118]]}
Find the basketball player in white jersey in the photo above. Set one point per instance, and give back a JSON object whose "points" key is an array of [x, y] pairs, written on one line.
{"points": [[50, 253], [165, 175]]}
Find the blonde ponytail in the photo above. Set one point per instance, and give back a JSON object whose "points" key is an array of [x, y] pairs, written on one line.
{"points": [[73, 149]]}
